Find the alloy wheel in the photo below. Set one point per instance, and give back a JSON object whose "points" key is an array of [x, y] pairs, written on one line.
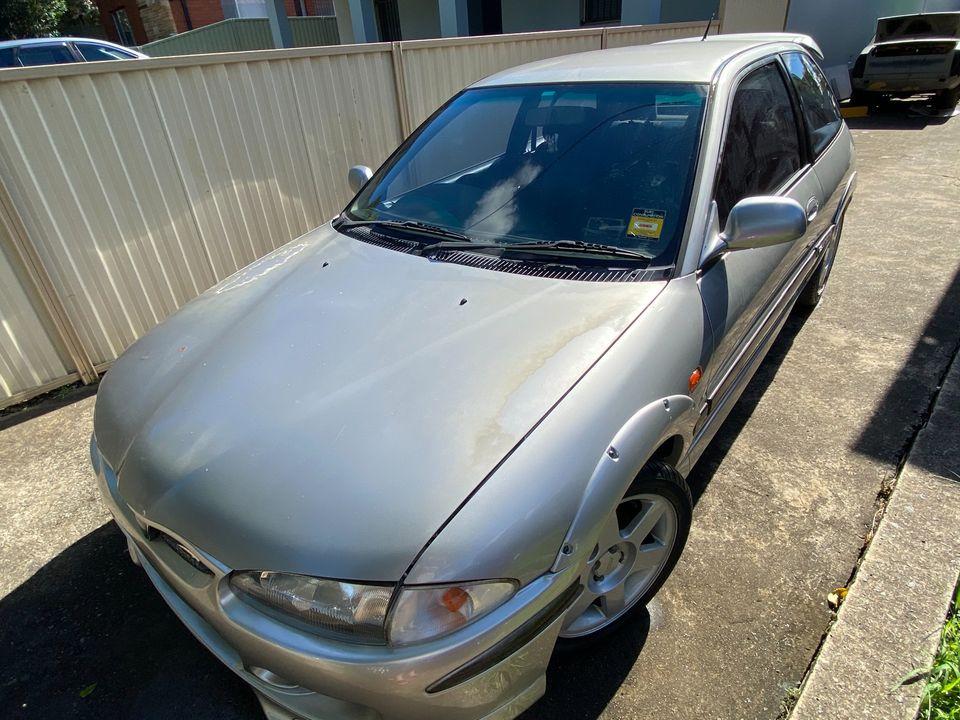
{"points": [[635, 544]]}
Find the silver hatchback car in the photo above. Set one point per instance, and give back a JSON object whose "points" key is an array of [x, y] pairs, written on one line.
{"points": [[384, 470]]}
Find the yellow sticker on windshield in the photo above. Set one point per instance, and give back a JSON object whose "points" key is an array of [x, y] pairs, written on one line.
{"points": [[646, 223]]}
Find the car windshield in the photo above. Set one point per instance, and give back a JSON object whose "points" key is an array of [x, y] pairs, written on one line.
{"points": [[938, 25], [604, 163]]}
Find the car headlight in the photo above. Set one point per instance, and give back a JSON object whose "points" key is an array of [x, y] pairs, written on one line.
{"points": [[345, 610], [425, 613]]}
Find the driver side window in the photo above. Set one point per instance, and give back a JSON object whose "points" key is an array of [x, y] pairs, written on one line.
{"points": [[762, 145]]}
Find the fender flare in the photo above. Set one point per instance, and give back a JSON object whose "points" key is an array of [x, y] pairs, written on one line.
{"points": [[627, 453]]}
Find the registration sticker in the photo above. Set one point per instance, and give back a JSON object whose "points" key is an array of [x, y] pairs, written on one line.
{"points": [[646, 223]]}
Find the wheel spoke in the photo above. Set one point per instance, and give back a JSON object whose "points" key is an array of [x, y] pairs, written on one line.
{"points": [[610, 534], [626, 563], [583, 601], [650, 556], [613, 601], [645, 522]]}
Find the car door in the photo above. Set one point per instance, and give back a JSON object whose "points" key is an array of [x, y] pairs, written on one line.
{"points": [[830, 146], [764, 153]]}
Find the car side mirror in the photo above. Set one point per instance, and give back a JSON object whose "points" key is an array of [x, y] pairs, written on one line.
{"points": [[358, 177], [757, 222]]}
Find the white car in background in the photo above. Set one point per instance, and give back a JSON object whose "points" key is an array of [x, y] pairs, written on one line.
{"points": [[56, 51], [911, 54]]}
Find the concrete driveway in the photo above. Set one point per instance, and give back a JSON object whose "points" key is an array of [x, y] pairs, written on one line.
{"points": [[785, 497]]}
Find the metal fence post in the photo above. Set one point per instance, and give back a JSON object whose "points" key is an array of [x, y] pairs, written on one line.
{"points": [[603, 39], [53, 308], [403, 106]]}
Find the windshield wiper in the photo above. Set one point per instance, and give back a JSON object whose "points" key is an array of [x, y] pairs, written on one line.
{"points": [[453, 240], [572, 246], [415, 226]]}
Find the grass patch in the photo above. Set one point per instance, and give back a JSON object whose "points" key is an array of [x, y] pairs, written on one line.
{"points": [[941, 696]]}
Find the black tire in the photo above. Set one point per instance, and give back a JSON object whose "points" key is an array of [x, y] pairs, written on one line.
{"points": [[660, 478], [947, 99], [813, 290]]}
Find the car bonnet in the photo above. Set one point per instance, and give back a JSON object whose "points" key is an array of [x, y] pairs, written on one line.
{"points": [[326, 409]]}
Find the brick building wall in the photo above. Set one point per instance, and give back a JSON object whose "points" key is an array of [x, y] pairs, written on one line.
{"points": [[201, 12], [157, 19]]}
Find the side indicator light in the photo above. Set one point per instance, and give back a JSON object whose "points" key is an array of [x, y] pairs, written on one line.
{"points": [[694, 379]]}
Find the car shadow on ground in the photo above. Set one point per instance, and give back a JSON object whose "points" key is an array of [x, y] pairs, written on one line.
{"points": [[87, 636]]}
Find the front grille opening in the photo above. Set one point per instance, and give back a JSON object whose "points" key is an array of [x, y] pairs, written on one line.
{"points": [[179, 548]]}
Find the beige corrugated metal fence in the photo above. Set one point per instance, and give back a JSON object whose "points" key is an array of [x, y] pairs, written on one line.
{"points": [[128, 188]]}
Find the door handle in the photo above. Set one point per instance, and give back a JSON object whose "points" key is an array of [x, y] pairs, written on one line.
{"points": [[813, 207]]}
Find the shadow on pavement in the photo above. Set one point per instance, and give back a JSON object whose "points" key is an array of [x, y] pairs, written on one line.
{"points": [[900, 115], [581, 682], [721, 443], [48, 402], [91, 616], [908, 399]]}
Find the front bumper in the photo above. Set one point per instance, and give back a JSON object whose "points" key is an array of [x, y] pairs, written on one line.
{"points": [[904, 84], [299, 675]]}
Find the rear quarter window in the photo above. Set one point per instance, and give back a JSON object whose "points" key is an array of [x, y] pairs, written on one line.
{"points": [[8, 58], [817, 103], [94, 52]]}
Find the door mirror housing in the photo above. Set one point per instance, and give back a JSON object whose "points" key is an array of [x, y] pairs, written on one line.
{"points": [[358, 177], [757, 222]]}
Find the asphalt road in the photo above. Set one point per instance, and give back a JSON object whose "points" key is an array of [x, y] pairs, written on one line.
{"points": [[785, 496]]}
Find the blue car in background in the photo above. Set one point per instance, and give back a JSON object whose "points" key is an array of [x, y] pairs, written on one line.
{"points": [[56, 51]]}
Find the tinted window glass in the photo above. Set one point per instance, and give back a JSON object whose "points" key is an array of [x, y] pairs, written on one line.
{"points": [[94, 53], [7, 59], [762, 146], [45, 54], [606, 163], [819, 108]]}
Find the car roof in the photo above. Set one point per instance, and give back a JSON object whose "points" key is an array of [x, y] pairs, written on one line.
{"points": [[694, 62], [763, 37], [46, 40]]}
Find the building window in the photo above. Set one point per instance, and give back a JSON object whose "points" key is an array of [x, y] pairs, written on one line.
{"points": [[600, 11], [121, 23]]}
